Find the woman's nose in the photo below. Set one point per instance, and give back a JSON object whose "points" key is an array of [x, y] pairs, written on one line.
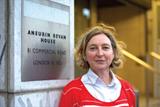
{"points": [[100, 52]]}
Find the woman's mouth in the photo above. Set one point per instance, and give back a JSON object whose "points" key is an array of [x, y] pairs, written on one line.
{"points": [[100, 61]]}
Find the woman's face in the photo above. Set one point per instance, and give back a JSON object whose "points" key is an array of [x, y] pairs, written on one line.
{"points": [[99, 52]]}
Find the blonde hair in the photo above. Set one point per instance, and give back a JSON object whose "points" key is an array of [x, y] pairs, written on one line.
{"points": [[110, 32]]}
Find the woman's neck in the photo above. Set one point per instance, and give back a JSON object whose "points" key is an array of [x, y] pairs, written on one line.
{"points": [[105, 76]]}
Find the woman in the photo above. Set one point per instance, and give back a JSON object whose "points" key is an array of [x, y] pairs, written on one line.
{"points": [[98, 53]]}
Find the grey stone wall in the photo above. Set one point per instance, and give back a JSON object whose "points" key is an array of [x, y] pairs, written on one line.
{"points": [[14, 91]]}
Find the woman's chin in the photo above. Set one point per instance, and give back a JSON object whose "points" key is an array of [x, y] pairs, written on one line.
{"points": [[101, 68]]}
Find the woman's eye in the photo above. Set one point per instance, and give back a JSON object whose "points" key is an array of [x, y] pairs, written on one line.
{"points": [[92, 48], [105, 48]]}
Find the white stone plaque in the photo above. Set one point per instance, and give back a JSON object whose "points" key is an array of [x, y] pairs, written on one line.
{"points": [[42, 44]]}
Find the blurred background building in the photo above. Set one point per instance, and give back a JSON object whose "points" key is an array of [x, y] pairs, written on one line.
{"points": [[138, 25]]}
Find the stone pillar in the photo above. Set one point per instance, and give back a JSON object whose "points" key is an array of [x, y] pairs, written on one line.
{"points": [[3, 54], [37, 51]]}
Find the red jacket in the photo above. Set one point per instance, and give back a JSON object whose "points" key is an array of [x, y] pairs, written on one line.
{"points": [[76, 95]]}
